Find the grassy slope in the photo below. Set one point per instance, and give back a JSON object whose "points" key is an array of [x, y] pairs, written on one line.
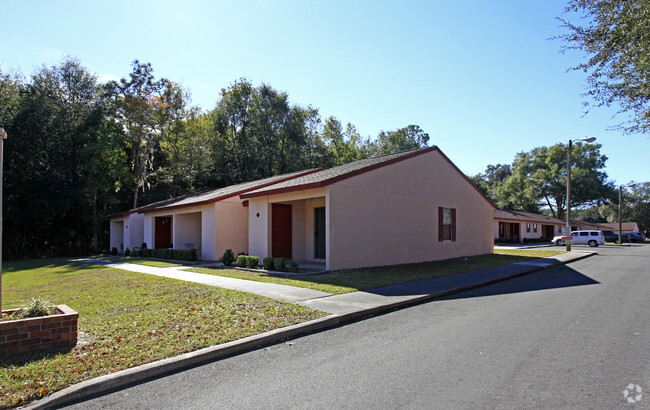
{"points": [[127, 319]]}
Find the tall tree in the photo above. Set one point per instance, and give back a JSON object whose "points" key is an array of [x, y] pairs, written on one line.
{"points": [[183, 142], [9, 98], [52, 196], [270, 118], [491, 180], [233, 148], [402, 139], [539, 179], [639, 200], [136, 100], [315, 149], [614, 34]]}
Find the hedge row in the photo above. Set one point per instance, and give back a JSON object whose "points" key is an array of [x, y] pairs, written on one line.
{"points": [[524, 240], [245, 261], [175, 254]]}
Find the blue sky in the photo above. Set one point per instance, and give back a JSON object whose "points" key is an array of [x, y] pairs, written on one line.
{"points": [[482, 78]]}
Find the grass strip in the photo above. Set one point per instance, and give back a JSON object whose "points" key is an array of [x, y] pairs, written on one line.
{"points": [[127, 319], [353, 280]]}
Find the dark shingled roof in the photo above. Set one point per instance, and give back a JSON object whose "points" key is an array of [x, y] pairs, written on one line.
{"points": [[329, 176], [213, 195], [525, 217]]}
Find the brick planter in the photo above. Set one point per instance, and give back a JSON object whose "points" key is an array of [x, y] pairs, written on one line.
{"points": [[38, 334]]}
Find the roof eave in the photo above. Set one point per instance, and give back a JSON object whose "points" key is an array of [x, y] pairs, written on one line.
{"points": [[338, 178], [222, 197]]}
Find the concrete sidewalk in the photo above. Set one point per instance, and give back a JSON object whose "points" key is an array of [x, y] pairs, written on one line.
{"points": [[280, 292], [342, 308]]}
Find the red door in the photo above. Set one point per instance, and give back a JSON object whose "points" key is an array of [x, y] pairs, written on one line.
{"points": [[163, 232], [281, 244]]}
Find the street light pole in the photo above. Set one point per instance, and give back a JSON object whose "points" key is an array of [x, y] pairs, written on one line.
{"points": [[568, 187], [3, 137]]}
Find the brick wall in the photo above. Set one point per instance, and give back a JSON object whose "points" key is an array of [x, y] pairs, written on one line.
{"points": [[40, 333]]}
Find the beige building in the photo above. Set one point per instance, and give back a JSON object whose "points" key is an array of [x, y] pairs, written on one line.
{"points": [[407, 207], [521, 226], [613, 226], [126, 230], [210, 221]]}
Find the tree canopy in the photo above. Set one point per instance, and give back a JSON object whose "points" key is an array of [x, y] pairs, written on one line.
{"points": [[79, 149], [537, 179], [615, 35]]}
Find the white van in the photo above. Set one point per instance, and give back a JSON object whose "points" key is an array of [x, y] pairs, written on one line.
{"points": [[591, 238]]}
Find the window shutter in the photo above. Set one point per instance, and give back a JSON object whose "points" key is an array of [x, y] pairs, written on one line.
{"points": [[440, 234], [453, 224]]}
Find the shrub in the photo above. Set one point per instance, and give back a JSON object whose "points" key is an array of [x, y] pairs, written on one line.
{"points": [[143, 246], [127, 252], [253, 262], [242, 253], [267, 263], [279, 264], [114, 251], [35, 308], [193, 255], [174, 254], [294, 267], [241, 260], [506, 240], [537, 240], [228, 257]]}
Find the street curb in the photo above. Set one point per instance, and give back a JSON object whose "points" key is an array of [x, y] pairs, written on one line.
{"points": [[152, 370], [122, 378]]}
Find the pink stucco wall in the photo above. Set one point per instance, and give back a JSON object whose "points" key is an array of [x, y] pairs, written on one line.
{"points": [[383, 217], [390, 215]]}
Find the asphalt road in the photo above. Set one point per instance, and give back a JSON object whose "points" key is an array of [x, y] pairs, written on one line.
{"points": [[569, 337]]}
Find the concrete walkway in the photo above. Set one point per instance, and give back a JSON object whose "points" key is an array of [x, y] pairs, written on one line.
{"points": [[280, 292]]}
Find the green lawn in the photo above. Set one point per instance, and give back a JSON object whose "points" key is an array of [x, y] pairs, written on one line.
{"points": [[127, 319], [361, 279]]}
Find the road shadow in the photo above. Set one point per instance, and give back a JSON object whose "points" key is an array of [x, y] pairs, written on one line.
{"points": [[559, 277]]}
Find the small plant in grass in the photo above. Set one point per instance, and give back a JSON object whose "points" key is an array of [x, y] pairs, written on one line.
{"points": [[37, 307], [279, 264], [114, 251], [267, 263], [228, 257]]}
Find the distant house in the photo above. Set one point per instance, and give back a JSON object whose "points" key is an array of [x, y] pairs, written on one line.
{"points": [[577, 225], [407, 207], [210, 221], [126, 230], [519, 226], [613, 226]]}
